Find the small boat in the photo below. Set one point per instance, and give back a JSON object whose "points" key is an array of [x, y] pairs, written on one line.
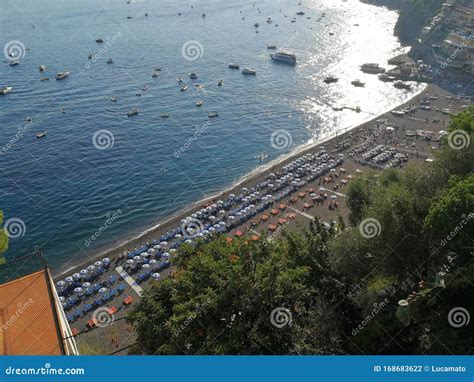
{"points": [[29, 119], [271, 47], [301, 13], [14, 63], [338, 108], [193, 76], [203, 15], [138, 94], [62, 75], [99, 40], [199, 102], [256, 25], [129, 17], [154, 75], [62, 111], [184, 88], [402, 85], [249, 71], [386, 78], [42, 68], [110, 61], [285, 58], [41, 134], [358, 83], [113, 99], [220, 83], [132, 112], [44, 79], [146, 14], [213, 114], [330, 80], [144, 87], [90, 57], [269, 20], [234, 66], [5, 90], [372, 68], [165, 115]]}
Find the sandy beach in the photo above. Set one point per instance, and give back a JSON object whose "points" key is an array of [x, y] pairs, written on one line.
{"points": [[247, 181]]}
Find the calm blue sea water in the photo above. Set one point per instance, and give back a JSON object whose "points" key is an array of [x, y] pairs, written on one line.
{"points": [[63, 188]]}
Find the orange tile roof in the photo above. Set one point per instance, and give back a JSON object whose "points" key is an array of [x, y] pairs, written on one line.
{"points": [[26, 317]]}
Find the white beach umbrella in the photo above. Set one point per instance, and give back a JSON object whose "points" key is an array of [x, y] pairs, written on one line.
{"points": [[156, 276], [90, 268], [76, 276], [106, 260], [173, 250], [166, 255], [77, 290], [86, 285], [69, 279], [98, 263], [146, 266], [102, 290], [60, 283], [153, 261], [130, 261], [136, 258], [178, 236]]}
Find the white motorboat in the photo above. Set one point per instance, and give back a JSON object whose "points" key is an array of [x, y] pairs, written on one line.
{"points": [[249, 71], [132, 112], [234, 66], [213, 114], [42, 68], [284, 58], [41, 134], [62, 75], [14, 63], [5, 90]]}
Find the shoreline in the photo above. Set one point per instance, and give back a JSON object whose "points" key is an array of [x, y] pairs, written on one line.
{"points": [[251, 177]]}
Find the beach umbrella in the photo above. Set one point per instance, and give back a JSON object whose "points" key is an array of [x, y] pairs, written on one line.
{"points": [[172, 250], [194, 216], [212, 217], [189, 241], [199, 213], [77, 290], [222, 212], [106, 260], [200, 234], [61, 298], [146, 266], [60, 283], [144, 254], [86, 285], [209, 208], [238, 214], [166, 255], [102, 290], [212, 229], [153, 261], [90, 268], [232, 196], [156, 276], [136, 258], [214, 206], [98, 263], [69, 279], [151, 250], [76, 276], [83, 272], [164, 243], [333, 197], [130, 261]]}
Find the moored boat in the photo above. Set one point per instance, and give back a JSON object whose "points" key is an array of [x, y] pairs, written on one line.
{"points": [[42, 68], [5, 90], [41, 134], [234, 66], [213, 114], [372, 68], [358, 83], [193, 76], [132, 112], [402, 85], [14, 63], [285, 58], [331, 79], [220, 82], [199, 102], [62, 75], [249, 71]]}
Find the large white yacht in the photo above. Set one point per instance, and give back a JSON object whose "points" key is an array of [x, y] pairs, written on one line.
{"points": [[285, 58]]}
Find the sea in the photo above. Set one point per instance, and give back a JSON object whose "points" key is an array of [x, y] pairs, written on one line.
{"points": [[98, 177]]}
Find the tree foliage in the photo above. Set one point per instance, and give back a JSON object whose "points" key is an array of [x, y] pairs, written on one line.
{"points": [[336, 290]]}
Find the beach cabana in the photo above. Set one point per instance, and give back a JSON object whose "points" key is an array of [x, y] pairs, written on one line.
{"points": [[274, 212], [282, 221], [264, 217], [282, 206], [239, 233]]}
